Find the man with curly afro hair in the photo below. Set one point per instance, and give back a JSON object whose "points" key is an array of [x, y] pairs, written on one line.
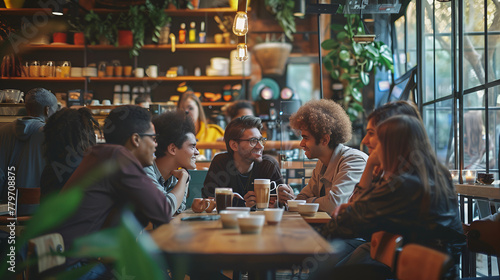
{"points": [[324, 126]]}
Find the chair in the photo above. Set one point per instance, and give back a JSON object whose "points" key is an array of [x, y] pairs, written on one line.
{"points": [[195, 185], [416, 262], [384, 247], [45, 248], [484, 237]]}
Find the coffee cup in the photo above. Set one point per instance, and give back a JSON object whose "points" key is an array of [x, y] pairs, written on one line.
{"points": [[251, 224], [230, 218], [223, 198], [262, 189], [273, 215], [199, 205], [211, 206], [139, 72], [118, 71], [292, 204], [152, 71]]}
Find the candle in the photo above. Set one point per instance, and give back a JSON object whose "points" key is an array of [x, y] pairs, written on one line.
{"points": [[470, 177]]}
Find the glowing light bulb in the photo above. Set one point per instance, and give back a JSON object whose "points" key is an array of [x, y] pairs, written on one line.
{"points": [[241, 52], [240, 24]]}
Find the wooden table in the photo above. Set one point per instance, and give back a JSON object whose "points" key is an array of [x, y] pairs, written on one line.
{"points": [[206, 246], [470, 192], [318, 218]]}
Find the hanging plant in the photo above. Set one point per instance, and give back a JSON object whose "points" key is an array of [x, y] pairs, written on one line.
{"points": [[352, 62], [283, 12]]}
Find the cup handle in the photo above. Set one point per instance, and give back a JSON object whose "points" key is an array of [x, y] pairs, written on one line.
{"points": [[208, 205], [272, 189]]}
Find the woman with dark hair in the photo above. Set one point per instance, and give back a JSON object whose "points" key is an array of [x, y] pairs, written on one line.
{"points": [[68, 134], [414, 197]]}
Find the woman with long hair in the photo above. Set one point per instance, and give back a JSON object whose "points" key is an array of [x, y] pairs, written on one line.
{"points": [[68, 135], [414, 197]]}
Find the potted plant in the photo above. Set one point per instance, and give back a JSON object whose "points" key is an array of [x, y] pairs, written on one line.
{"points": [[76, 27], [100, 31], [138, 19], [352, 56], [125, 36], [283, 12], [157, 18]]}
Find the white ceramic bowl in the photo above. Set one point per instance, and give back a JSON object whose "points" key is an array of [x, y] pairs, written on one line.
{"points": [[233, 208], [308, 209], [251, 223], [230, 218], [273, 215], [292, 204]]}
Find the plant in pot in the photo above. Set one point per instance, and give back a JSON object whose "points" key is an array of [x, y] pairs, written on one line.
{"points": [[100, 31], [125, 36], [352, 56], [76, 27], [157, 17], [283, 12], [138, 20]]}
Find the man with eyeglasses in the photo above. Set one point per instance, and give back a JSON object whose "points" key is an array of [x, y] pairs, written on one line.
{"points": [[114, 178], [243, 162], [324, 126]]}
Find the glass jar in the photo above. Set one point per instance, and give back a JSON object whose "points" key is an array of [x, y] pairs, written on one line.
{"points": [[65, 69], [101, 69], [47, 69], [35, 68]]}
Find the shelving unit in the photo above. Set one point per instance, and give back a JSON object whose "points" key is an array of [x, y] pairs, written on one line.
{"points": [[189, 55]]}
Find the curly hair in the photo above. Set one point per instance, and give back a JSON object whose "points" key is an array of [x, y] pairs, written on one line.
{"points": [[172, 127], [322, 117], [124, 121], [69, 132]]}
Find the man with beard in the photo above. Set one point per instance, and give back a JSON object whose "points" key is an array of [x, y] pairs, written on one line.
{"points": [[243, 162], [324, 126]]}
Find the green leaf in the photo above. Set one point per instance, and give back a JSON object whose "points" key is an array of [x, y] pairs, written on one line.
{"points": [[372, 51], [353, 114], [337, 27], [369, 65], [356, 95], [345, 76], [344, 55], [328, 65], [358, 49], [365, 78], [328, 44], [356, 106], [335, 74], [341, 36]]}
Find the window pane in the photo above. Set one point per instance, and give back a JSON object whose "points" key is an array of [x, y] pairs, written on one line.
{"points": [[440, 129], [494, 130], [428, 90], [474, 131], [443, 49], [411, 37], [493, 43], [474, 43], [399, 54]]}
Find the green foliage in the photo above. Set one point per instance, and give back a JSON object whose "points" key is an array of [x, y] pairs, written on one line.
{"points": [[97, 28], [283, 11], [157, 18], [351, 62]]}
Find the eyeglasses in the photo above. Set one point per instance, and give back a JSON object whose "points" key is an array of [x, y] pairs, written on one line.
{"points": [[253, 141], [152, 135]]}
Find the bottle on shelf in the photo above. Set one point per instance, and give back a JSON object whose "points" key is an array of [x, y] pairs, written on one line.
{"points": [[117, 95], [192, 32], [202, 36], [182, 34]]}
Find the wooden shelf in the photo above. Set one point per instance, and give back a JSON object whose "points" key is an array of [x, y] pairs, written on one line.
{"points": [[167, 47], [45, 79], [170, 12], [132, 79]]}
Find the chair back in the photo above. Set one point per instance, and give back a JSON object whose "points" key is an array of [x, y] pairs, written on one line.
{"points": [[384, 246], [44, 248], [195, 185], [416, 262], [484, 237]]}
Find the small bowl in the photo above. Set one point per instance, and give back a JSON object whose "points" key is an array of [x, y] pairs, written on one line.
{"points": [[230, 218], [244, 209], [251, 224], [308, 209], [292, 204], [273, 215]]}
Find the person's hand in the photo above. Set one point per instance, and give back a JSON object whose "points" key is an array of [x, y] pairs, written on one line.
{"points": [[180, 174], [339, 209], [285, 192], [373, 160], [250, 199]]}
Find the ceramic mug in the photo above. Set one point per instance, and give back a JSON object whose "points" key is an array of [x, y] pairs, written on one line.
{"points": [[139, 72], [262, 189], [199, 205], [152, 71]]}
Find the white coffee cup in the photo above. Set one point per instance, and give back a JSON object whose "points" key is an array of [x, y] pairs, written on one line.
{"points": [[139, 72], [273, 215], [152, 71], [262, 189]]}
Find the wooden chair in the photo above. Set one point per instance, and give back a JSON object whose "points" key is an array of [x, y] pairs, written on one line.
{"points": [[384, 247], [484, 237], [44, 248], [416, 262], [26, 204]]}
